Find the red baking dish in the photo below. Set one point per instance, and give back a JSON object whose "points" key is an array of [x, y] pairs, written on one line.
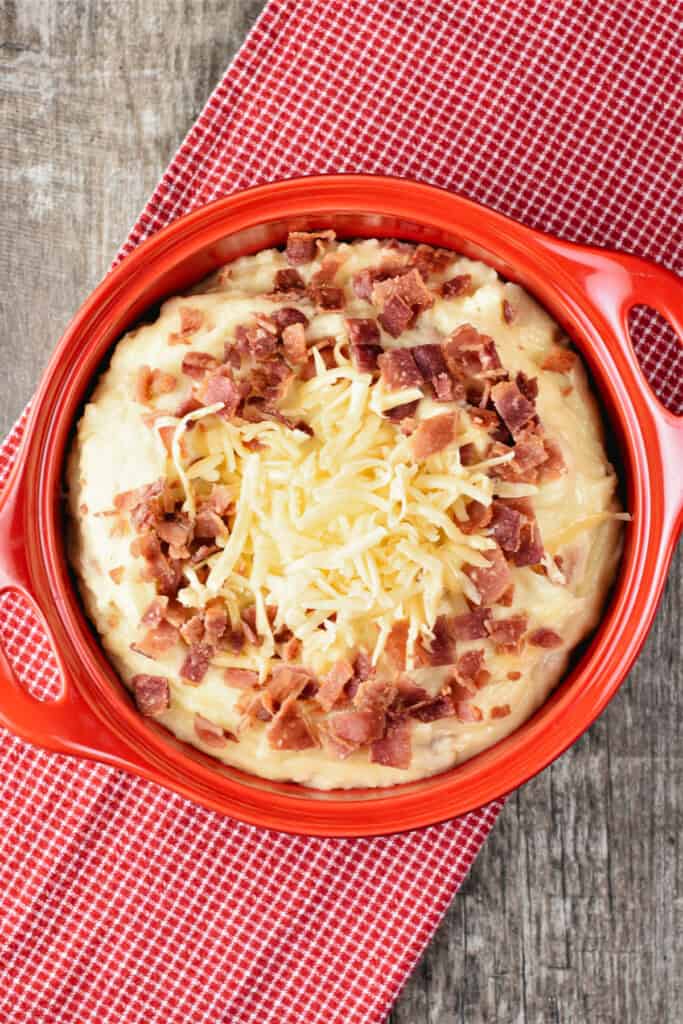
{"points": [[590, 291]]}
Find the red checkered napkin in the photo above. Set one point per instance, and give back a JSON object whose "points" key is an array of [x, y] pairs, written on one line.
{"points": [[122, 903]]}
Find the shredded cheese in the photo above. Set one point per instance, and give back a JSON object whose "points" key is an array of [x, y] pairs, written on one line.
{"points": [[344, 523]]}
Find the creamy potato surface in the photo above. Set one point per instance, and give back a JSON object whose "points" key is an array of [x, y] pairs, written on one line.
{"points": [[341, 514]]}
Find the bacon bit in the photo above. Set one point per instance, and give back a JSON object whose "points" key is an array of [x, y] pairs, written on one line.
{"points": [[191, 319], [559, 360], [326, 296], [196, 663], [253, 708], [396, 316], [409, 693], [507, 634], [332, 689], [399, 369], [469, 354], [364, 357], [258, 341], [468, 666], [291, 649], [215, 622], [530, 551], [166, 435], [493, 580], [242, 678], [232, 640], [362, 667], [117, 573], [395, 646], [271, 379], [288, 681], [527, 385], [429, 360], [143, 385], [158, 641], [301, 245], [208, 525], [289, 280], [514, 409], [197, 364], [289, 729], [509, 311], [155, 612], [500, 711], [152, 694], [432, 710], [210, 733], [461, 284], [363, 282], [434, 434], [189, 404], [375, 695], [287, 316], [469, 626], [157, 566], [177, 339], [176, 531], [362, 331], [394, 748], [352, 729], [220, 499], [192, 631], [507, 598], [514, 675], [294, 341], [441, 650], [446, 389], [429, 260], [545, 638], [467, 712], [401, 412], [478, 516], [469, 456], [220, 387], [506, 526]]}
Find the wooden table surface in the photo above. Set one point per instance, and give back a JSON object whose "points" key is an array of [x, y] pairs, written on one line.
{"points": [[574, 910]]}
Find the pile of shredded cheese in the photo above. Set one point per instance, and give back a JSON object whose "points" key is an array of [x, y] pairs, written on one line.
{"points": [[344, 533]]}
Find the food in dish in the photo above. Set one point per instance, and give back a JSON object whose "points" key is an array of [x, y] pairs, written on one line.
{"points": [[341, 514]]}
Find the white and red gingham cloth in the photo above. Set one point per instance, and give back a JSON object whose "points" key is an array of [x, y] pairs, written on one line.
{"points": [[121, 903]]}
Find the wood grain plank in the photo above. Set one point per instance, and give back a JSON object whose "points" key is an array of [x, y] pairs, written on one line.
{"points": [[574, 910]]}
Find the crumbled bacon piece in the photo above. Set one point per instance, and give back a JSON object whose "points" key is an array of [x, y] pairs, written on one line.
{"points": [[514, 409], [461, 284], [294, 341], [394, 747], [352, 729], [438, 707], [396, 317], [514, 675], [189, 404], [289, 681], [289, 729], [152, 383], [500, 711], [429, 360], [470, 625], [493, 580], [554, 465], [117, 573], [302, 245], [530, 550], [395, 646], [220, 499], [242, 678], [468, 666], [287, 316], [210, 733], [176, 531], [192, 631], [375, 695], [441, 650], [158, 641], [215, 622], [399, 413], [197, 364], [289, 280], [446, 389], [559, 359], [478, 516], [364, 357], [527, 385], [429, 260], [469, 354], [508, 311], [221, 387], [408, 693], [155, 612], [152, 694], [507, 598], [469, 456], [332, 689], [209, 524], [434, 434], [271, 379], [507, 634], [259, 340], [399, 369], [191, 319], [196, 663], [543, 637], [505, 526], [363, 282], [362, 331], [165, 574]]}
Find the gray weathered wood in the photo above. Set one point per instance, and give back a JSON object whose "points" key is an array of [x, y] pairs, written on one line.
{"points": [[574, 911]]}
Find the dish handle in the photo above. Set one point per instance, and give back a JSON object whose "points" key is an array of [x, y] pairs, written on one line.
{"points": [[66, 724], [616, 282]]}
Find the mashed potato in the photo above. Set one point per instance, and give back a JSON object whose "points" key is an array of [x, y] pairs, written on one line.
{"points": [[341, 514]]}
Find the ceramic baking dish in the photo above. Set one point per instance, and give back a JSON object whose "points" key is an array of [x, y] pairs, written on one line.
{"points": [[589, 291]]}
